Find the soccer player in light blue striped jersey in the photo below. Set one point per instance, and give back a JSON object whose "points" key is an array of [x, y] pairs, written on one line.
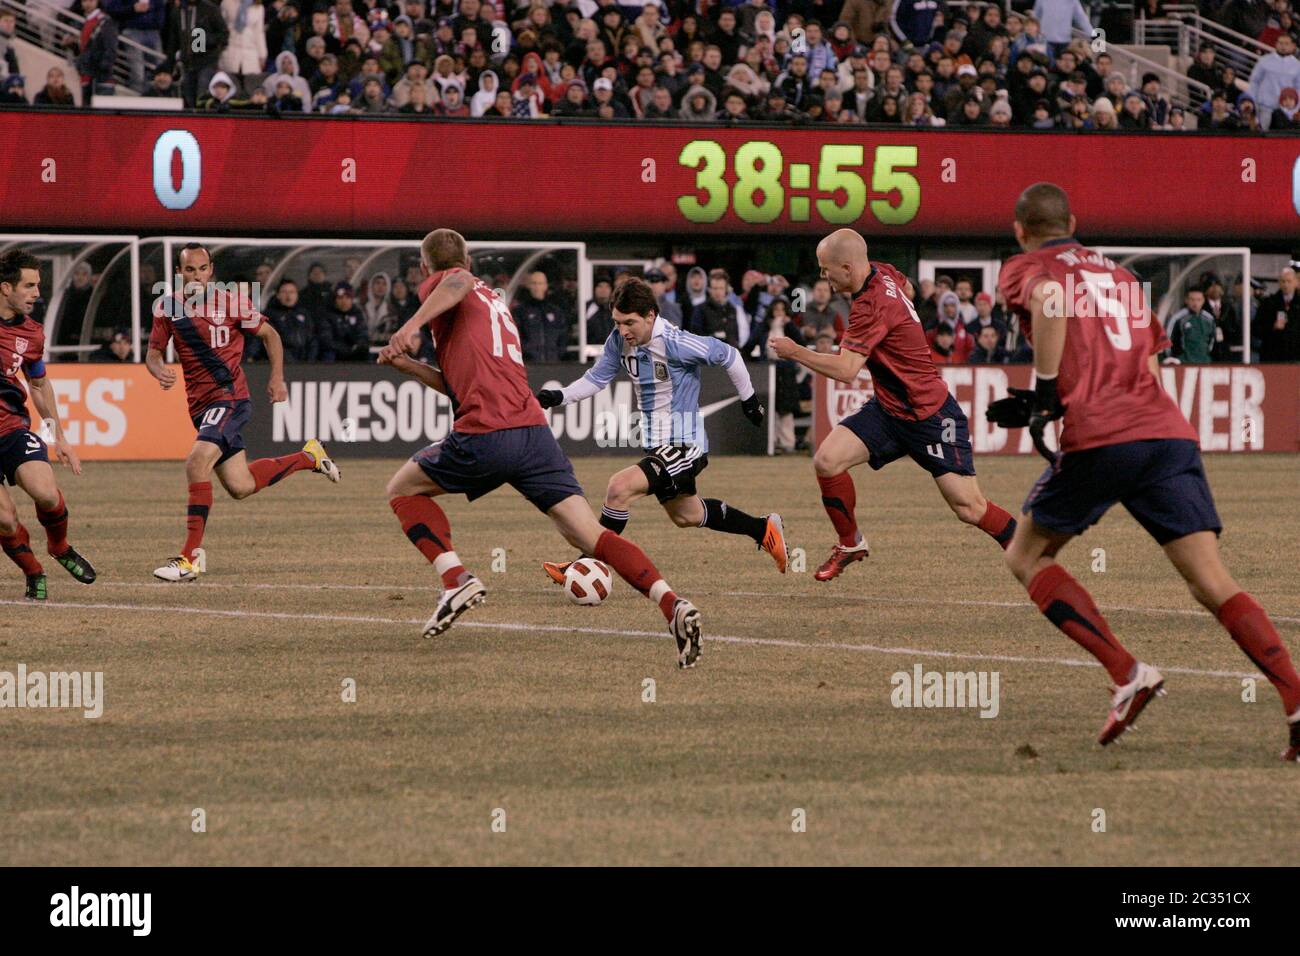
{"points": [[665, 363]]}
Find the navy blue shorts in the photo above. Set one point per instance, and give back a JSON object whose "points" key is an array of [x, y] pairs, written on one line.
{"points": [[18, 448], [940, 444], [222, 423], [1160, 481], [527, 459]]}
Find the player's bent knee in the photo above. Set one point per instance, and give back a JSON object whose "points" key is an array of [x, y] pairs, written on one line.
{"points": [[826, 465], [8, 522], [682, 520]]}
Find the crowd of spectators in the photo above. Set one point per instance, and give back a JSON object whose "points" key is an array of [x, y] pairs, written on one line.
{"points": [[909, 62], [327, 319]]}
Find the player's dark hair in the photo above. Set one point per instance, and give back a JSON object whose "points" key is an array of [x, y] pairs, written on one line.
{"points": [[193, 247], [1044, 210], [445, 248], [12, 264], [636, 297]]}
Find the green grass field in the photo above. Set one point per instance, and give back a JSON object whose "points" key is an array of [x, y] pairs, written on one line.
{"points": [[226, 695]]}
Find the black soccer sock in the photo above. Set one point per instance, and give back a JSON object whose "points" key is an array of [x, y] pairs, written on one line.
{"points": [[613, 519], [720, 516]]}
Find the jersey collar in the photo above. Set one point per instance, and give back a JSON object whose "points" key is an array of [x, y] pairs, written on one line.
{"points": [[870, 275], [1062, 241], [661, 325]]}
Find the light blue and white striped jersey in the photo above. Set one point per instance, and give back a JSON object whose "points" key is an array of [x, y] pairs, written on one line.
{"points": [[667, 374]]}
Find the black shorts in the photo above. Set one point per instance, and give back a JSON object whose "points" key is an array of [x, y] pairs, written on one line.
{"points": [[528, 459], [18, 448], [222, 423], [940, 444], [671, 470], [1161, 482]]}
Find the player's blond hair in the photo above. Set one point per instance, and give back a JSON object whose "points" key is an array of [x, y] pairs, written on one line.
{"points": [[443, 249]]}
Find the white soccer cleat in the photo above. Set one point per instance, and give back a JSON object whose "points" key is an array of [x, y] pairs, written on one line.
{"points": [[453, 603], [1130, 700], [324, 464], [176, 570]]}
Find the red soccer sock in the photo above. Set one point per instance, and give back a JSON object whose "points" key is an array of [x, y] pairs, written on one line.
{"points": [[267, 471], [1067, 605], [839, 498], [196, 517], [998, 525], [19, 548], [427, 527], [55, 523], [636, 569], [1255, 634]]}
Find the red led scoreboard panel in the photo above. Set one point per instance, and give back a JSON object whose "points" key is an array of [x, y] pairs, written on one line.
{"points": [[185, 172]]}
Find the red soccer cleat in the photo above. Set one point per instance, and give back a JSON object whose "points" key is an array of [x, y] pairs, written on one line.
{"points": [[1130, 700], [555, 570], [841, 557]]}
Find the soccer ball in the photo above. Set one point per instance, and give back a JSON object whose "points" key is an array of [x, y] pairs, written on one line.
{"points": [[587, 582]]}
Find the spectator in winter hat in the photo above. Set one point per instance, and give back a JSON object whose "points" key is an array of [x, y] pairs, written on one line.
{"points": [[453, 102], [286, 65], [1000, 114], [1134, 115], [574, 102], [500, 106], [1286, 116], [1103, 114], [1246, 113]]}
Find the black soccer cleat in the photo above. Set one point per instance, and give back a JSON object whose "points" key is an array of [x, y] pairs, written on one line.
{"points": [[76, 565], [36, 587], [1292, 753]]}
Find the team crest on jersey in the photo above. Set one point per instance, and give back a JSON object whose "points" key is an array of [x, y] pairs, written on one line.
{"points": [[20, 345], [661, 372]]}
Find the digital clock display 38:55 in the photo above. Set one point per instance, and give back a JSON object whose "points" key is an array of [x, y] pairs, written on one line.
{"points": [[766, 186]]}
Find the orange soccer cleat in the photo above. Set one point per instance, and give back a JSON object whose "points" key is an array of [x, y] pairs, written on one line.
{"points": [[556, 569], [841, 557], [774, 542]]}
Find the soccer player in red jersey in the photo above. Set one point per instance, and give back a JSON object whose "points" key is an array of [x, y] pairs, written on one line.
{"points": [[1123, 440], [910, 414], [500, 436], [24, 460], [208, 323]]}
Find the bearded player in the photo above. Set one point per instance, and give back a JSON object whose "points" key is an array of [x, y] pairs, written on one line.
{"points": [[1123, 440], [910, 414], [207, 324], [665, 363], [499, 437], [24, 460]]}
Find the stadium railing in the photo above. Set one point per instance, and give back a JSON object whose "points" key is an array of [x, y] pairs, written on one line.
{"points": [[49, 27]]}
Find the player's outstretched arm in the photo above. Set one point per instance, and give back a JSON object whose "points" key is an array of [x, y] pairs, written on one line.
{"points": [[600, 374], [449, 293], [48, 408], [427, 374], [843, 366], [275, 387]]}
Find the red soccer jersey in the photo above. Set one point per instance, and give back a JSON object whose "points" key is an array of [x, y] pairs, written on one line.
{"points": [[22, 343], [885, 328], [482, 363], [209, 347], [1105, 382]]}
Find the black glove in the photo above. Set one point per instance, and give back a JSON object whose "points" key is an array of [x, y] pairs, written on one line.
{"points": [[550, 397], [1013, 411], [1046, 402], [753, 410]]}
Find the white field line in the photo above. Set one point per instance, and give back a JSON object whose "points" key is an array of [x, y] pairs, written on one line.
{"points": [[51, 606], [827, 595]]}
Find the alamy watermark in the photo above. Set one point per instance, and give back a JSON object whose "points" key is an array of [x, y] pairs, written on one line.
{"points": [[52, 690], [231, 300], [922, 688]]}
